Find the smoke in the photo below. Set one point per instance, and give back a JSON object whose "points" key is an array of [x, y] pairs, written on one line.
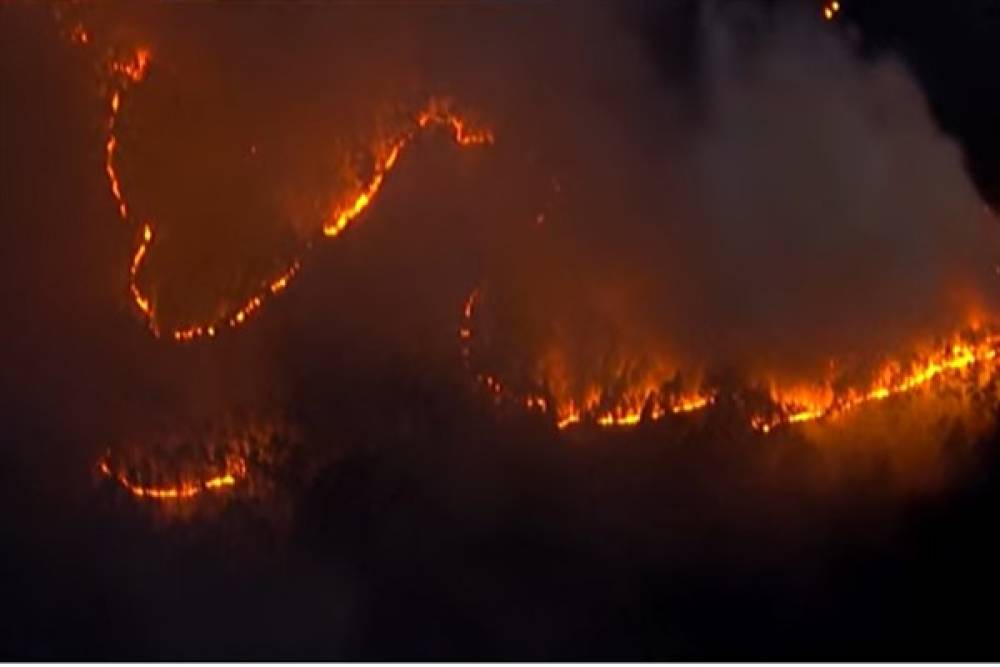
{"points": [[764, 203], [781, 206], [835, 212], [795, 205]]}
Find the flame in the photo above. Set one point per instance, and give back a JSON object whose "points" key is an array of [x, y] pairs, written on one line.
{"points": [[629, 409], [971, 355], [141, 301], [954, 360], [831, 10], [436, 113], [439, 112], [133, 69], [235, 471], [625, 409], [231, 455]]}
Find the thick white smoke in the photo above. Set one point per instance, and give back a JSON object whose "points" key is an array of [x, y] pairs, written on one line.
{"points": [[797, 204]]}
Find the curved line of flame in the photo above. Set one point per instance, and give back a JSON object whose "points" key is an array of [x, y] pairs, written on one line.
{"points": [[235, 471], [130, 71]]}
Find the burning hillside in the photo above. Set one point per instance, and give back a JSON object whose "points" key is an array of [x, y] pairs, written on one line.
{"points": [[499, 330], [634, 390], [238, 456], [610, 347]]}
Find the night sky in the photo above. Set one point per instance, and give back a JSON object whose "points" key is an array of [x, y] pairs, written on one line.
{"points": [[413, 520]]}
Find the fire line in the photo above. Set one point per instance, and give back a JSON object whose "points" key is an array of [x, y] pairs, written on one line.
{"points": [[132, 70], [235, 471], [963, 355]]}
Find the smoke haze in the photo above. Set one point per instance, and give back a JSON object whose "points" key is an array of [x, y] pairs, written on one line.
{"points": [[751, 201]]}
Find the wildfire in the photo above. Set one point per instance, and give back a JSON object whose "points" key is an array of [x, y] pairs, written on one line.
{"points": [[961, 358], [132, 70], [968, 357], [624, 409], [953, 361], [439, 112], [126, 72], [232, 455], [436, 113], [234, 471]]}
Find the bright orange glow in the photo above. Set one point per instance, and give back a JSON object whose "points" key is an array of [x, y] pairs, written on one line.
{"points": [[831, 9]]}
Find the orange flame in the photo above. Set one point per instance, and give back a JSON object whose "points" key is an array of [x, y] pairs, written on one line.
{"points": [[235, 470], [233, 455], [965, 357], [952, 361], [627, 409], [436, 113]]}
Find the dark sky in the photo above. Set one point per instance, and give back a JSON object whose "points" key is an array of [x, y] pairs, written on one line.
{"points": [[416, 521]]}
